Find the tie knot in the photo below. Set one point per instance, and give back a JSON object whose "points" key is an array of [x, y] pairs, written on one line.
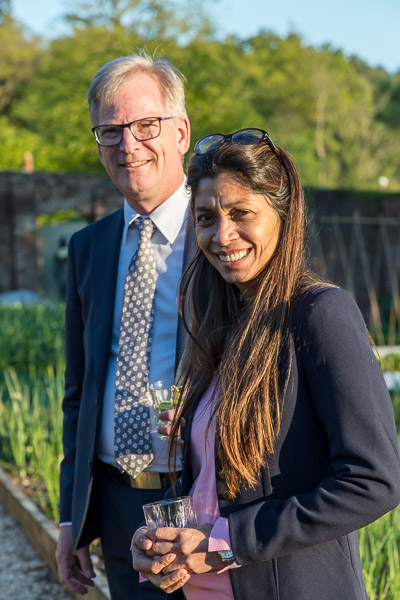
{"points": [[146, 227]]}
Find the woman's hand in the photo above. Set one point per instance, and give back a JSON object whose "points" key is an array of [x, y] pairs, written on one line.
{"points": [[151, 567], [165, 428], [189, 546]]}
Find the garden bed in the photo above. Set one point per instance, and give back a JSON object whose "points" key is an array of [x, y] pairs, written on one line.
{"points": [[41, 532]]}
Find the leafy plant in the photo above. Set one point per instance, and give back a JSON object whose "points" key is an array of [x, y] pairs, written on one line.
{"points": [[31, 431]]}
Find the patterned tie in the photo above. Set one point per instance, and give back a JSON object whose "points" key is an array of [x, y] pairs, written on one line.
{"points": [[132, 442]]}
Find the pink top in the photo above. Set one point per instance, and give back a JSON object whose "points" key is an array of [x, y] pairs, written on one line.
{"points": [[204, 491]]}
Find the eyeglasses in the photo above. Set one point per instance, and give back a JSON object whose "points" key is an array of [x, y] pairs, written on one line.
{"points": [[243, 137], [142, 130]]}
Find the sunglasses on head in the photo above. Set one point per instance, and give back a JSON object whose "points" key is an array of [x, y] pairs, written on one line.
{"points": [[244, 137]]}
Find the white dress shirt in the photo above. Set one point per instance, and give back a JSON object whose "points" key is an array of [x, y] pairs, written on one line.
{"points": [[168, 242]]}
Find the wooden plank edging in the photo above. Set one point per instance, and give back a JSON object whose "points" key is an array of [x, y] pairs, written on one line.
{"points": [[42, 533]]}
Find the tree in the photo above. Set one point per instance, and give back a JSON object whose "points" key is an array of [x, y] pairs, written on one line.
{"points": [[20, 57], [218, 99], [321, 107], [148, 19], [54, 103], [337, 117], [278, 83]]}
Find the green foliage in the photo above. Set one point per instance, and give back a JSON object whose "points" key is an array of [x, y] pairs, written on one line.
{"points": [[379, 550], [218, 98], [31, 391], [14, 142], [379, 547], [336, 116], [20, 56], [32, 337], [62, 84], [150, 19], [20, 59], [31, 431], [390, 362]]}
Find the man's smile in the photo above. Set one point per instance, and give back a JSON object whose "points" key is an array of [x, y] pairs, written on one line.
{"points": [[136, 163]]}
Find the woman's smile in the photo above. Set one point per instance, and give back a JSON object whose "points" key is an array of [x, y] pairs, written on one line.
{"points": [[233, 257]]}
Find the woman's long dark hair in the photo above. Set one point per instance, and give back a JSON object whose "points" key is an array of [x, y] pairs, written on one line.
{"points": [[241, 343]]}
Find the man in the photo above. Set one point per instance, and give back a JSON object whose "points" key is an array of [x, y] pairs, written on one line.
{"points": [[114, 462]]}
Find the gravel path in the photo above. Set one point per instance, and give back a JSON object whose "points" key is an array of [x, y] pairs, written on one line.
{"points": [[23, 574]]}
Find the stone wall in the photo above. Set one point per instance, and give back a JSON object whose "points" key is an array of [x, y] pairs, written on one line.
{"points": [[23, 197]]}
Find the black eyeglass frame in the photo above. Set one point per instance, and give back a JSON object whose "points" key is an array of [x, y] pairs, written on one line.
{"points": [[129, 125], [230, 137]]}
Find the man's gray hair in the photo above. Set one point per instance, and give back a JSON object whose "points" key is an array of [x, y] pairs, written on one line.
{"points": [[112, 75]]}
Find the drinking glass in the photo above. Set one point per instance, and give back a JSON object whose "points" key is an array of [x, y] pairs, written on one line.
{"points": [[164, 397], [171, 512]]}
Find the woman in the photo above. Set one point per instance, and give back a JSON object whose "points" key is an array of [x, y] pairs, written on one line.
{"points": [[289, 438]]}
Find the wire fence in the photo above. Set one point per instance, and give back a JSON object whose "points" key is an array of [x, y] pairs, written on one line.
{"points": [[362, 254]]}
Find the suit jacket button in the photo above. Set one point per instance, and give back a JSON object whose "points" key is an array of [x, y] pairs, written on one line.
{"points": [[226, 494], [183, 422]]}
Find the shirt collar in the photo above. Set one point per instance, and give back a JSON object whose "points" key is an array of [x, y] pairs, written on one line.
{"points": [[168, 217]]}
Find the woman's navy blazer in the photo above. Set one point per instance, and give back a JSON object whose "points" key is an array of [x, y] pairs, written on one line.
{"points": [[335, 469]]}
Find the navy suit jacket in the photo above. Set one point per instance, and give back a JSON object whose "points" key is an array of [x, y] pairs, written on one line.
{"points": [[92, 271], [335, 469]]}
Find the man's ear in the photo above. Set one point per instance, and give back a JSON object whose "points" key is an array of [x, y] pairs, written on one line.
{"points": [[183, 132]]}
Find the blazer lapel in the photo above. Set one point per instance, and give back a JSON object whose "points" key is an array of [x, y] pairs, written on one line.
{"points": [[104, 276]]}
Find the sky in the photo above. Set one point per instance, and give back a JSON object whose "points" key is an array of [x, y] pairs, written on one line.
{"points": [[368, 29]]}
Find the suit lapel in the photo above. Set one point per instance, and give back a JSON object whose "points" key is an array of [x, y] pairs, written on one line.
{"points": [[188, 255], [104, 275]]}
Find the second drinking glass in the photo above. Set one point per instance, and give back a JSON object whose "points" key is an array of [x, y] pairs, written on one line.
{"points": [[164, 397]]}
